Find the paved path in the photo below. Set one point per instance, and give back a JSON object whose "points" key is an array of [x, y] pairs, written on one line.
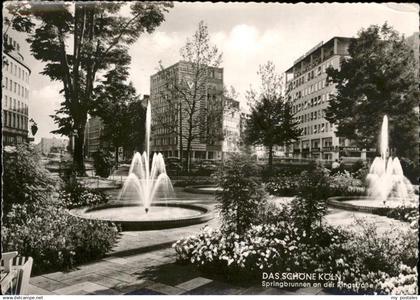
{"points": [[151, 273]]}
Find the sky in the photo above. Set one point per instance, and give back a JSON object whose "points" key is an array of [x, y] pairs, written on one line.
{"points": [[248, 35]]}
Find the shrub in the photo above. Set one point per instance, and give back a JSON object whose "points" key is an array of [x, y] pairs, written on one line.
{"points": [[283, 185], [373, 259], [77, 195], [411, 170], [241, 197], [310, 204], [55, 239], [25, 180], [103, 162], [344, 184], [193, 181]]}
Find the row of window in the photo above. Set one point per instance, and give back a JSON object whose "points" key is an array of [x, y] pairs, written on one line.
{"points": [[313, 102], [317, 128], [164, 141], [315, 143], [13, 120], [13, 104], [16, 70], [314, 115], [311, 89], [16, 88], [11, 140], [311, 75]]}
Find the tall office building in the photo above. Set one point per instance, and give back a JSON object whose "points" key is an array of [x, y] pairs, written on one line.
{"points": [[93, 132], [309, 92], [217, 130], [15, 92]]}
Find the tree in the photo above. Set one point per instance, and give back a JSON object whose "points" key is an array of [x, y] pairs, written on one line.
{"points": [[377, 79], [25, 180], [186, 96], [241, 197], [113, 103], [310, 206], [271, 120], [99, 35]]}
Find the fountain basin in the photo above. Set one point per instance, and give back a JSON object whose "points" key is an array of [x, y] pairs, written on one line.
{"points": [[365, 204], [132, 217], [202, 189]]}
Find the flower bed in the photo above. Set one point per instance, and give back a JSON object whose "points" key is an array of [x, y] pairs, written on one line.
{"points": [[343, 184], [382, 265]]}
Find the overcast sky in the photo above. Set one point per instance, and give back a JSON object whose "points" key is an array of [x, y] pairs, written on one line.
{"points": [[248, 34]]}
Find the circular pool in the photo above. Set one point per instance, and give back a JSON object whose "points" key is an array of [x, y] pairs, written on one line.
{"points": [[133, 217], [202, 189], [366, 203]]}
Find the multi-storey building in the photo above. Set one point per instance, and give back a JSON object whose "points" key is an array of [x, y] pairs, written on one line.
{"points": [[15, 92], [46, 144], [309, 91], [218, 128], [94, 128], [231, 127]]}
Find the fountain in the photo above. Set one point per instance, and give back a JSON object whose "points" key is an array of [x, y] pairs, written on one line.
{"points": [[147, 199], [144, 182], [387, 186], [386, 179]]}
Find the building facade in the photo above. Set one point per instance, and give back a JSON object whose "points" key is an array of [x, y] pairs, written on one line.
{"points": [[309, 92], [93, 131], [218, 131], [15, 93], [231, 127], [46, 144]]}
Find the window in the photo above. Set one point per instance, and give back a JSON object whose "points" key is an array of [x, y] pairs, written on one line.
{"points": [[15, 88], [7, 82], [14, 104], [10, 84]]}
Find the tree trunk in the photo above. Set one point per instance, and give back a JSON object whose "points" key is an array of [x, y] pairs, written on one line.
{"points": [[78, 151], [270, 157], [188, 159], [116, 156]]}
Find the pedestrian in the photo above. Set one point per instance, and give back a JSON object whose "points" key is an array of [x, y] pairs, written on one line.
{"points": [[341, 166], [335, 167]]}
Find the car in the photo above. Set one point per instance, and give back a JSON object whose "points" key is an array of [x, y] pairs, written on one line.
{"points": [[173, 165], [207, 167]]}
